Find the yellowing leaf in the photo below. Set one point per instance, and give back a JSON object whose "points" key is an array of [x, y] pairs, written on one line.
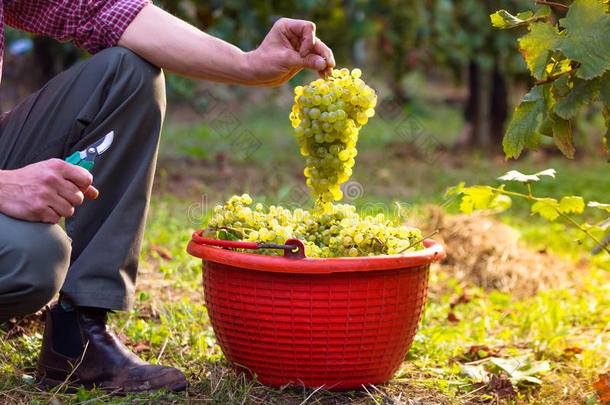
{"points": [[587, 25], [501, 202], [595, 204], [476, 197], [538, 45], [573, 204], [546, 208], [503, 19], [467, 205]]}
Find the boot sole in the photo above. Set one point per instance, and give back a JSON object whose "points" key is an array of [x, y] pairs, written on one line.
{"points": [[72, 389]]}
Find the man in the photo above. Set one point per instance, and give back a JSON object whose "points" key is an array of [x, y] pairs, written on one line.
{"points": [[121, 89]]}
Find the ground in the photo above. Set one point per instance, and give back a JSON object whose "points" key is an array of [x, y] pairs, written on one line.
{"points": [[507, 292]]}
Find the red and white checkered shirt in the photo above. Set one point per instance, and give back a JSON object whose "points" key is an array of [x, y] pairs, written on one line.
{"points": [[91, 24]]}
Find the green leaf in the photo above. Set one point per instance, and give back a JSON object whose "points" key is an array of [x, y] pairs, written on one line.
{"points": [[503, 19], [515, 175], [561, 87], [601, 206], [523, 128], [573, 204], [537, 46], [562, 135], [587, 25], [582, 92], [606, 138], [604, 89], [545, 207]]}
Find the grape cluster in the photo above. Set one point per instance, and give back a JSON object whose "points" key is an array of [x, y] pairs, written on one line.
{"points": [[336, 232], [326, 117]]}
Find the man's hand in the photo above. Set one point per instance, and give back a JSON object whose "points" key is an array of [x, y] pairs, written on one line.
{"points": [[290, 46], [45, 191]]}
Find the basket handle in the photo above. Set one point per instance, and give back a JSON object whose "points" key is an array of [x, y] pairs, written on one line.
{"points": [[293, 248]]}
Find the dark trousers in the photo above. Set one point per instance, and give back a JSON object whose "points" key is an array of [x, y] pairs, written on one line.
{"points": [[96, 263]]}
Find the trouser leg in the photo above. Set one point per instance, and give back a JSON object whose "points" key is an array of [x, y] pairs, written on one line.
{"points": [[34, 259], [113, 90]]}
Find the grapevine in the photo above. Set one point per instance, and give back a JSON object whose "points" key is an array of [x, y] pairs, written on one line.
{"points": [[570, 60], [487, 197]]}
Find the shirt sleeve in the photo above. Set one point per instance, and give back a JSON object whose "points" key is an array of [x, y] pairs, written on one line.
{"points": [[91, 24]]}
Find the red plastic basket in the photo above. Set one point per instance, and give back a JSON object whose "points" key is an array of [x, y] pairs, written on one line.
{"points": [[337, 323]]}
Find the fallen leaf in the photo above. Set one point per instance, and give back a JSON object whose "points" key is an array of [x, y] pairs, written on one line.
{"points": [[569, 352], [603, 386], [161, 252], [521, 369], [498, 385], [502, 386], [452, 317], [477, 352], [461, 299]]}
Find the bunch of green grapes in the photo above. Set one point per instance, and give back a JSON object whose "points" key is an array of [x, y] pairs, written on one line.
{"points": [[327, 116], [336, 232]]}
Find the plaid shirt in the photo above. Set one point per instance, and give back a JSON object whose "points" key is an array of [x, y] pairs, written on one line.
{"points": [[91, 24]]}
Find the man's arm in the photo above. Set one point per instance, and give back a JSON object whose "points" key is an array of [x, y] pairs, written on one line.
{"points": [[172, 44]]}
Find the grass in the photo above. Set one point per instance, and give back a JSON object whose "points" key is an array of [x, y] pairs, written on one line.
{"points": [[568, 330]]}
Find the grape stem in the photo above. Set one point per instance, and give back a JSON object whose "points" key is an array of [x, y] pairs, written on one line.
{"points": [[419, 241], [552, 3], [551, 79]]}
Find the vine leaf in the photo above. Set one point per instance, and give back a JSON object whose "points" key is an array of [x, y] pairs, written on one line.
{"points": [[606, 139], [582, 92], [537, 46], [515, 175], [562, 135], [523, 130], [476, 197], [573, 204], [604, 89], [503, 19], [601, 206], [546, 208], [587, 25]]}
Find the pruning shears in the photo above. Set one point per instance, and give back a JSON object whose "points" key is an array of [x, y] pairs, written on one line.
{"points": [[85, 157]]}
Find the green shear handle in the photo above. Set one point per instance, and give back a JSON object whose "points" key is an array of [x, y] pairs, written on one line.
{"points": [[85, 157]]}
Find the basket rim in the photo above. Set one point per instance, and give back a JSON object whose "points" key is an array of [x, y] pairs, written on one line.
{"points": [[432, 252]]}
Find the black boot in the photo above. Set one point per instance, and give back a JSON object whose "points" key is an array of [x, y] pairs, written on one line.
{"points": [[106, 363]]}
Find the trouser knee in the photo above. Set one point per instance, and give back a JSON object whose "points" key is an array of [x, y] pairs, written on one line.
{"points": [[133, 72], [34, 260]]}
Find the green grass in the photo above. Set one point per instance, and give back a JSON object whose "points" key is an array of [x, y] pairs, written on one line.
{"points": [[171, 324]]}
